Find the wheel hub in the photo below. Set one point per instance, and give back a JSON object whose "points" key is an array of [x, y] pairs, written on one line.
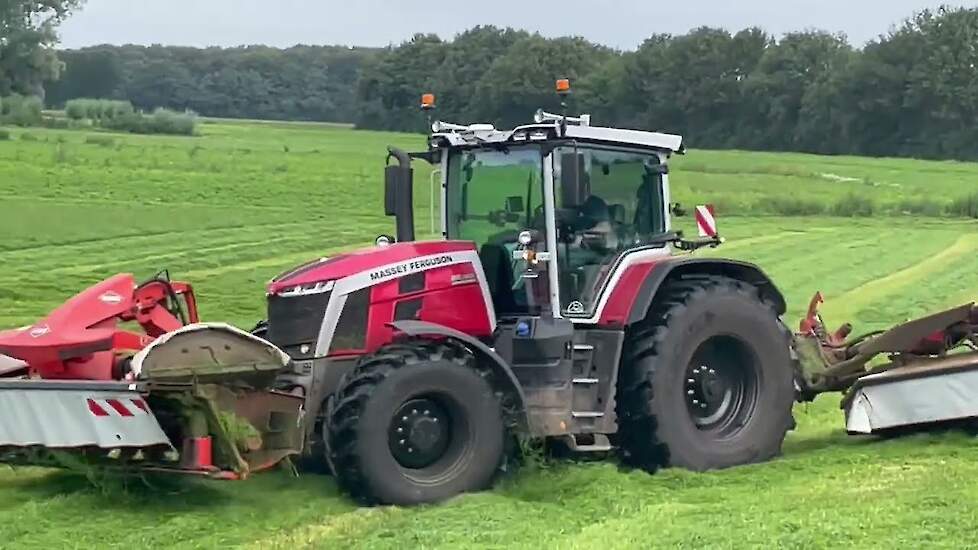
{"points": [[419, 434], [708, 395]]}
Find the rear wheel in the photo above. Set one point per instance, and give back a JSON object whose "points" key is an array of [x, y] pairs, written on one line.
{"points": [[413, 424], [707, 380]]}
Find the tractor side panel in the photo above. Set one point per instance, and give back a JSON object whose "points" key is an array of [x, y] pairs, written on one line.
{"points": [[450, 297], [616, 311]]}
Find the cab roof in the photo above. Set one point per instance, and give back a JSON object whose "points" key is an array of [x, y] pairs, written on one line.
{"points": [[475, 135]]}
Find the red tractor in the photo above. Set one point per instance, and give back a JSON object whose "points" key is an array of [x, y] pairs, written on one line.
{"points": [[560, 305]]}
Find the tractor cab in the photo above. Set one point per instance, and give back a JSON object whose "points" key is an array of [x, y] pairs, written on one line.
{"points": [[553, 207]]}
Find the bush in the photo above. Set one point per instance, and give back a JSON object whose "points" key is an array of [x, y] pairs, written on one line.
{"points": [[853, 205], [165, 121], [162, 121], [97, 110], [77, 109], [21, 110], [965, 206], [27, 136], [4, 135]]}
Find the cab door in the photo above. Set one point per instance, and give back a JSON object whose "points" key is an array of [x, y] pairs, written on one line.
{"points": [[607, 203]]}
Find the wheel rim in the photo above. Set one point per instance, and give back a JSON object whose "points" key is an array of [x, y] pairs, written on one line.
{"points": [[721, 385], [420, 433]]}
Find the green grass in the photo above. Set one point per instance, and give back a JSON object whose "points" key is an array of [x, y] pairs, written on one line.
{"points": [[233, 207], [792, 183]]}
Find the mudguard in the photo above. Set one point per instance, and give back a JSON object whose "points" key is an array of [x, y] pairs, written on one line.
{"points": [[497, 363], [685, 265]]}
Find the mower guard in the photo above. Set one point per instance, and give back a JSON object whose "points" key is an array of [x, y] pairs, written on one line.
{"points": [[11, 367], [198, 401], [60, 414]]}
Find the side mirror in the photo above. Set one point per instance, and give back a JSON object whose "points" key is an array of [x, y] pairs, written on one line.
{"points": [[572, 172]]}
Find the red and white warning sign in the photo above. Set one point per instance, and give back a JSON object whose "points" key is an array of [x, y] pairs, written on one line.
{"points": [[706, 221]]}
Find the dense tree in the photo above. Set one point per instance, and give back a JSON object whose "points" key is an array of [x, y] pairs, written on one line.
{"points": [[913, 91], [302, 83], [779, 86], [28, 33]]}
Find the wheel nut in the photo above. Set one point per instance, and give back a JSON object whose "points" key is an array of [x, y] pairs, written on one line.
{"points": [[426, 412], [691, 381], [414, 411], [410, 450], [402, 442], [400, 430], [702, 405], [404, 418], [712, 371], [696, 402], [690, 392]]}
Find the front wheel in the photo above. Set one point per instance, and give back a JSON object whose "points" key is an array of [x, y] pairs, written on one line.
{"points": [[413, 424], [707, 381]]}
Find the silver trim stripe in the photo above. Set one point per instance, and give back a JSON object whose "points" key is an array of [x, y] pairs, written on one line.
{"points": [[382, 274]]}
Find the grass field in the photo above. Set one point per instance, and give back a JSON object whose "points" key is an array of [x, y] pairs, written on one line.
{"points": [[233, 207]]}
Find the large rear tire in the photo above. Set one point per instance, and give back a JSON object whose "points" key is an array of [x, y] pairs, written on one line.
{"points": [[415, 423], [707, 380]]}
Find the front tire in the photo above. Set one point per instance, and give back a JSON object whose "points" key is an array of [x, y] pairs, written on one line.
{"points": [[707, 380], [415, 423]]}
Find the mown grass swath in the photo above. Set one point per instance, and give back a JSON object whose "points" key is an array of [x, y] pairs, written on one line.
{"points": [[231, 208]]}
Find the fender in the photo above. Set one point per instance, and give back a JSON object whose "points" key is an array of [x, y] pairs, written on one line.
{"points": [[497, 363], [679, 265]]}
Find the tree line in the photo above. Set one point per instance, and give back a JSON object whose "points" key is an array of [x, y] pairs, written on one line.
{"points": [[299, 83], [911, 92]]}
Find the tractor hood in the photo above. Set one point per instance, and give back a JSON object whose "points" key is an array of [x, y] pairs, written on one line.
{"points": [[381, 262]]}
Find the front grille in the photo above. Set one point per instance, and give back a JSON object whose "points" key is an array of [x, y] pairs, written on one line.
{"points": [[294, 320]]}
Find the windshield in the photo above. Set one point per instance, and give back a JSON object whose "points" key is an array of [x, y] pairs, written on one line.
{"points": [[492, 194]]}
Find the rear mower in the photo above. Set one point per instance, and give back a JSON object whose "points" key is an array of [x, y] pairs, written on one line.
{"points": [[559, 306]]}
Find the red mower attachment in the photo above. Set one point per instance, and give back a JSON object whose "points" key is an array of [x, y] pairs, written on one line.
{"points": [[82, 339]]}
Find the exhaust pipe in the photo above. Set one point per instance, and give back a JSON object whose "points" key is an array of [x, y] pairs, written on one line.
{"points": [[399, 193]]}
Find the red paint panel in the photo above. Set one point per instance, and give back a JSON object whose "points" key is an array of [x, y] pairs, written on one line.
{"points": [[140, 404], [445, 301], [623, 295], [461, 307], [96, 409], [119, 407]]}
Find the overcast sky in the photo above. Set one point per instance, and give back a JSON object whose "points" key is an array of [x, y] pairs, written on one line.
{"points": [[619, 23]]}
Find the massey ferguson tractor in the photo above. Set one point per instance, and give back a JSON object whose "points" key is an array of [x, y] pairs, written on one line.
{"points": [[559, 306]]}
